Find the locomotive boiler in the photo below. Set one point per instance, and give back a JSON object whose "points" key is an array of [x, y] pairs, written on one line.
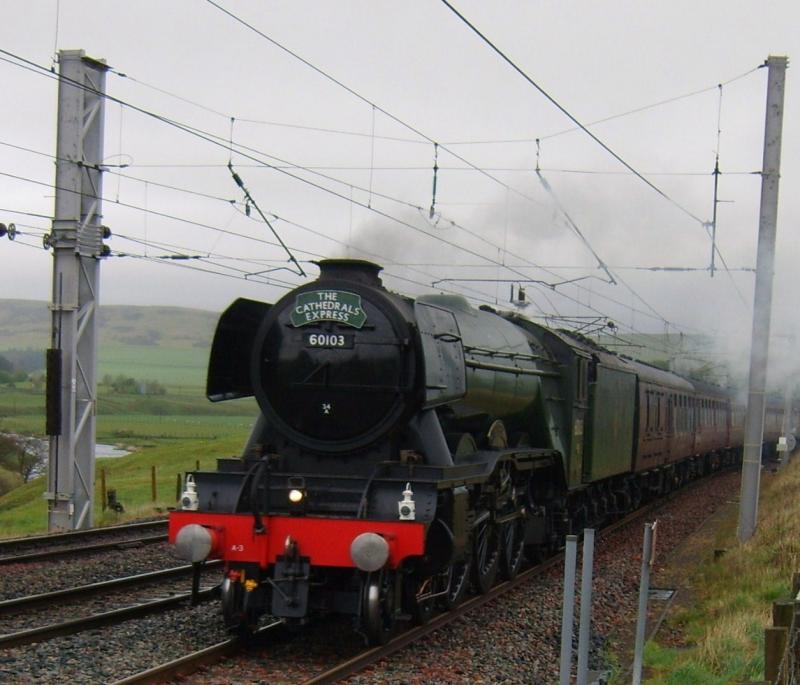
{"points": [[409, 449]]}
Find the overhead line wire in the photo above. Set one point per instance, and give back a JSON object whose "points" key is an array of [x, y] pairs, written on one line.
{"points": [[304, 251], [233, 233], [323, 235], [417, 132], [206, 135], [210, 138], [363, 134], [367, 101], [612, 117], [582, 127], [566, 113]]}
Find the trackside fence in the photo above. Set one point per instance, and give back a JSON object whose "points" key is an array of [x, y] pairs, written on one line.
{"points": [[782, 640]]}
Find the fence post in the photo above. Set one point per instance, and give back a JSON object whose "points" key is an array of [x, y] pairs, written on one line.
{"points": [[774, 647], [782, 612], [568, 616], [103, 493], [153, 486], [196, 464]]}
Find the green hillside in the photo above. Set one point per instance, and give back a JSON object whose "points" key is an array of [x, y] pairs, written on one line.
{"points": [[168, 344], [151, 386], [26, 323]]}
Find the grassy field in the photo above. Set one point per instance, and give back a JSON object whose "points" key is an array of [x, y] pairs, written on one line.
{"points": [[173, 366], [170, 431], [24, 511], [722, 632], [183, 413]]}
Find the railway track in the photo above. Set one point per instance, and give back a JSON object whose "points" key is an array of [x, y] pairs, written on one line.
{"points": [[59, 545], [11, 606], [77, 625], [373, 655], [185, 665], [323, 653]]}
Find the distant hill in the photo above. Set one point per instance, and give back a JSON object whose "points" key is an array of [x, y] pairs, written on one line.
{"points": [[171, 344], [26, 323], [168, 344]]}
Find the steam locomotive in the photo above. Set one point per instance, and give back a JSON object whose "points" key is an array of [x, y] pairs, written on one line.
{"points": [[409, 449]]}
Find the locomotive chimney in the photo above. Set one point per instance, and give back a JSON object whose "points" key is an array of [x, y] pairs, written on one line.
{"points": [[358, 270]]}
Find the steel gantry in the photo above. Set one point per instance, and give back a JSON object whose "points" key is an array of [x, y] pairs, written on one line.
{"points": [[77, 242]]}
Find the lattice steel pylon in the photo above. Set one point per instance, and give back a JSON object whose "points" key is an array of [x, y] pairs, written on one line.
{"points": [[77, 242]]}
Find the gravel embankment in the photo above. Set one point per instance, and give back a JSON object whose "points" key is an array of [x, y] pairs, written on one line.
{"points": [[111, 653], [17, 580], [512, 640]]}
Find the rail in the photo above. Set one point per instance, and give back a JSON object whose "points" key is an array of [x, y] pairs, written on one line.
{"points": [[29, 601], [77, 625], [71, 535], [83, 549]]}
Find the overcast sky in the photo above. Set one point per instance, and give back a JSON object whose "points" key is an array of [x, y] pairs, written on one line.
{"points": [[417, 61]]}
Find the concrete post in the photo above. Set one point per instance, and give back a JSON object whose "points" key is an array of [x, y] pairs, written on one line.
{"points": [[644, 592], [585, 628], [762, 303], [567, 617]]}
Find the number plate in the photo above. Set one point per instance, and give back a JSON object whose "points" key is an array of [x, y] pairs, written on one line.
{"points": [[340, 341]]}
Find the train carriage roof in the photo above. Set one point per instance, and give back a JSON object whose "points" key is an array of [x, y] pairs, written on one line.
{"points": [[588, 348]]}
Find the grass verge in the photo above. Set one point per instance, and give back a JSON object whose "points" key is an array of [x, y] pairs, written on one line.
{"points": [[723, 630]]}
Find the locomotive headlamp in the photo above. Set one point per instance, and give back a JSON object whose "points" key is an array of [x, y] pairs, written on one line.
{"points": [[189, 498], [194, 542], [297, 492], [406, 507], [369, 551]]}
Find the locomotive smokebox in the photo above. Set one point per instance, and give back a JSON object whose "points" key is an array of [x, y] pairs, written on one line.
{"points": [[353, 270], [334, 364]]}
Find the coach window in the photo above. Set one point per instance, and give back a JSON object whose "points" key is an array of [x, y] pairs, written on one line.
{"points": [[659, 421], [671, 414]]}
